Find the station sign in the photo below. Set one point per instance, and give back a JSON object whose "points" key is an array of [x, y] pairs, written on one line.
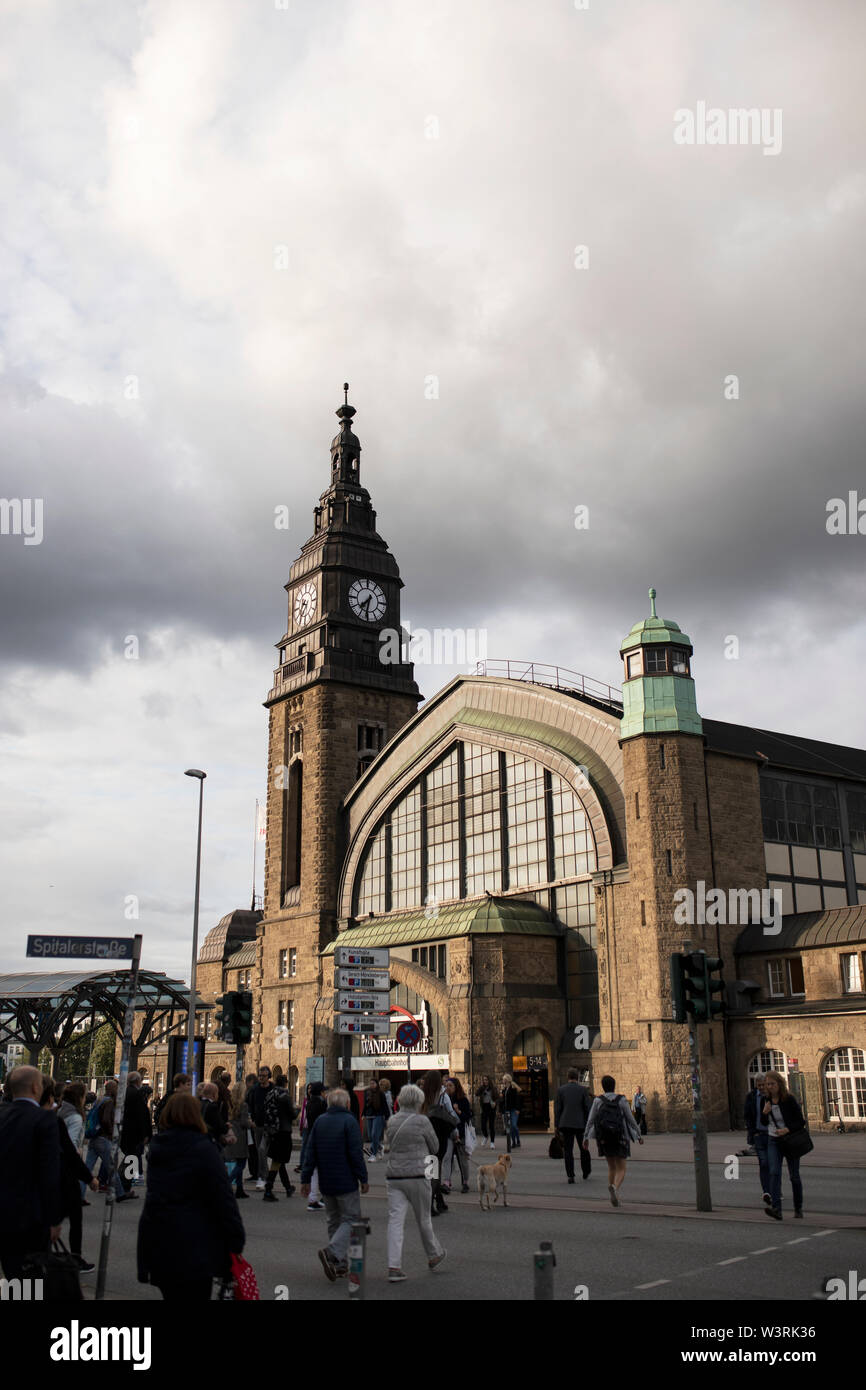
{"points": [[377, 956], [363, 979], [368, 1003], [374, 1026]]}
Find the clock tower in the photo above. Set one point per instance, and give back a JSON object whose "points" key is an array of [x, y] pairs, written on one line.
{"points": [[336, 700]]}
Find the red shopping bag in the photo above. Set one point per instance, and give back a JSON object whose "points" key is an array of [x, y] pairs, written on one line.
{"points": [[246, 1287]]}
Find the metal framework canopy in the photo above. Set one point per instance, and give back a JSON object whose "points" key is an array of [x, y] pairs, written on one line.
{"points": [[45, 1009]]}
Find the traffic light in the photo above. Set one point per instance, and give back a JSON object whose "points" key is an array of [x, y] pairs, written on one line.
{"points": [[693, 986], [243, 1018], [224, 1019], [714, 985]]}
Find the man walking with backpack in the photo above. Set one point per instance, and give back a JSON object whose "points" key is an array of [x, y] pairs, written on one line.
{"points": [[612, 1125]]}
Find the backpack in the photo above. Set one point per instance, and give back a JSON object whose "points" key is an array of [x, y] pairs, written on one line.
{"points": [[93, 1128], [608, 1121]]}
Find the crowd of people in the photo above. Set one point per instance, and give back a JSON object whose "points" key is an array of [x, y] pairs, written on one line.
{"points": [[58, 1145]]}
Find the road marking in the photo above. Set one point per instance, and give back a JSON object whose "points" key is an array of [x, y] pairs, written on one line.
{"points": [[766, 1250], [823, 1233], [799, 1240], [735, 1260], [654, 1285]]}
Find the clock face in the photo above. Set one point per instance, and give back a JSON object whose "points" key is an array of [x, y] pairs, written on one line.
{"points": [[367, 600], [304, 605]]}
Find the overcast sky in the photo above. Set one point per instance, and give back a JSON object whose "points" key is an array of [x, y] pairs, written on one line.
{"points": [[216, 211]]}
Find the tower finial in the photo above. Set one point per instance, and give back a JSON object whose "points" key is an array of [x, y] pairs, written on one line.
{"points": [[652, 595], [346, 392]]}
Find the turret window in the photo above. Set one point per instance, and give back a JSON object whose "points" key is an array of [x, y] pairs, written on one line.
{"points": [[634, 665], [679, 661], [656, 659]]}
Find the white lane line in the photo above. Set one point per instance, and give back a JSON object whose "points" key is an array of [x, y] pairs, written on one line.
{"points": [[654, 1285], [766, 1250], [735, 1260], [799, 1241], [823, 1233]]}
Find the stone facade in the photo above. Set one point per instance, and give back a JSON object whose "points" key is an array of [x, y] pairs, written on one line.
{"points": [[327, 716]]}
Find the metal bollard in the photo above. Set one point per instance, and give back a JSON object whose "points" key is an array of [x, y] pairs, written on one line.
{"points": [[544, 1262], [357, 1275]]}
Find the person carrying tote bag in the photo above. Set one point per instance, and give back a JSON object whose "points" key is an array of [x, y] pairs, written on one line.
{"points": [[789, 1139]]}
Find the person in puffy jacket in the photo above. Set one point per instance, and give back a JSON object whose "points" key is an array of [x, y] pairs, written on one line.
{"points": [[190, 1225], [411, 1147]]}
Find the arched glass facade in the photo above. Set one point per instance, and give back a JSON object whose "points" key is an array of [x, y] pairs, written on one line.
{"points": [[478, 820]]}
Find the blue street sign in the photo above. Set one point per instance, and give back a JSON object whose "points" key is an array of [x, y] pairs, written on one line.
{"points": [[95, 947]]}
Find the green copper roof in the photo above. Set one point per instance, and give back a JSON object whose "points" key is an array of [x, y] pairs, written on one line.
{"points": [[485, 916], [659, 705], [655, 629]]}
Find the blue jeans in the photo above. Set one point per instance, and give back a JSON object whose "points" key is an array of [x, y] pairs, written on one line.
{"points": [[99, 1148], [235, 1170], [509, 1119], [377, 1129], [774, 1155], [760, 1140]]}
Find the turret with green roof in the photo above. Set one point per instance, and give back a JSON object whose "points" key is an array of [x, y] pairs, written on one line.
{"points": [[658, 691]]}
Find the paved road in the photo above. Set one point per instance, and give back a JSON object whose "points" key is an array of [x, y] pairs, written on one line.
{"points": [[615, 1254]]}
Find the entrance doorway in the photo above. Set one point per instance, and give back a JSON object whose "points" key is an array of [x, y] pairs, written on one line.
{"points": [[530, 1068]]}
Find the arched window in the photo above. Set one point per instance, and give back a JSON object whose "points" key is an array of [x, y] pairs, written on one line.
{"points": [[768, 1060], [292, 808], [845, 1083], [477, 821]]}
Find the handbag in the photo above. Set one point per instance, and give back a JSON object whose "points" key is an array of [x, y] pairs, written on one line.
{"points": [[440, 1113], [555, 1149], [59, 1271], [795, 1145]]}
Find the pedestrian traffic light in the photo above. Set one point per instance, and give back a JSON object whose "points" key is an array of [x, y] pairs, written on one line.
{"points": [[243, 1018], [693, 986]]}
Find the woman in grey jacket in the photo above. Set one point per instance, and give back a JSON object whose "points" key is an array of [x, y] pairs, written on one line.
{"points": [[613, 1125], [411, 1147]]}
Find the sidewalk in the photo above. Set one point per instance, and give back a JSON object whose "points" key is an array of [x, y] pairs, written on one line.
{"points": [[830, 1151]]}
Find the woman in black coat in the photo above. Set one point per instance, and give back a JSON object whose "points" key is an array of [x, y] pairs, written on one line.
{"points": [[73, 1172], [783, 1117], [190, 1225]]}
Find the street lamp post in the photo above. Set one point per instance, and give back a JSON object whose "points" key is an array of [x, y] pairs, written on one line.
{"points": [[194, 772]]}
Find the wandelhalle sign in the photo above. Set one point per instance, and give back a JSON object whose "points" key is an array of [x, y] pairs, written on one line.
{"points": [[81, 947]]}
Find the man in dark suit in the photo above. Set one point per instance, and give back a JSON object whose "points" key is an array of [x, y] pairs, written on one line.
{"points": [[570, 1113], [31, 1204]]}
